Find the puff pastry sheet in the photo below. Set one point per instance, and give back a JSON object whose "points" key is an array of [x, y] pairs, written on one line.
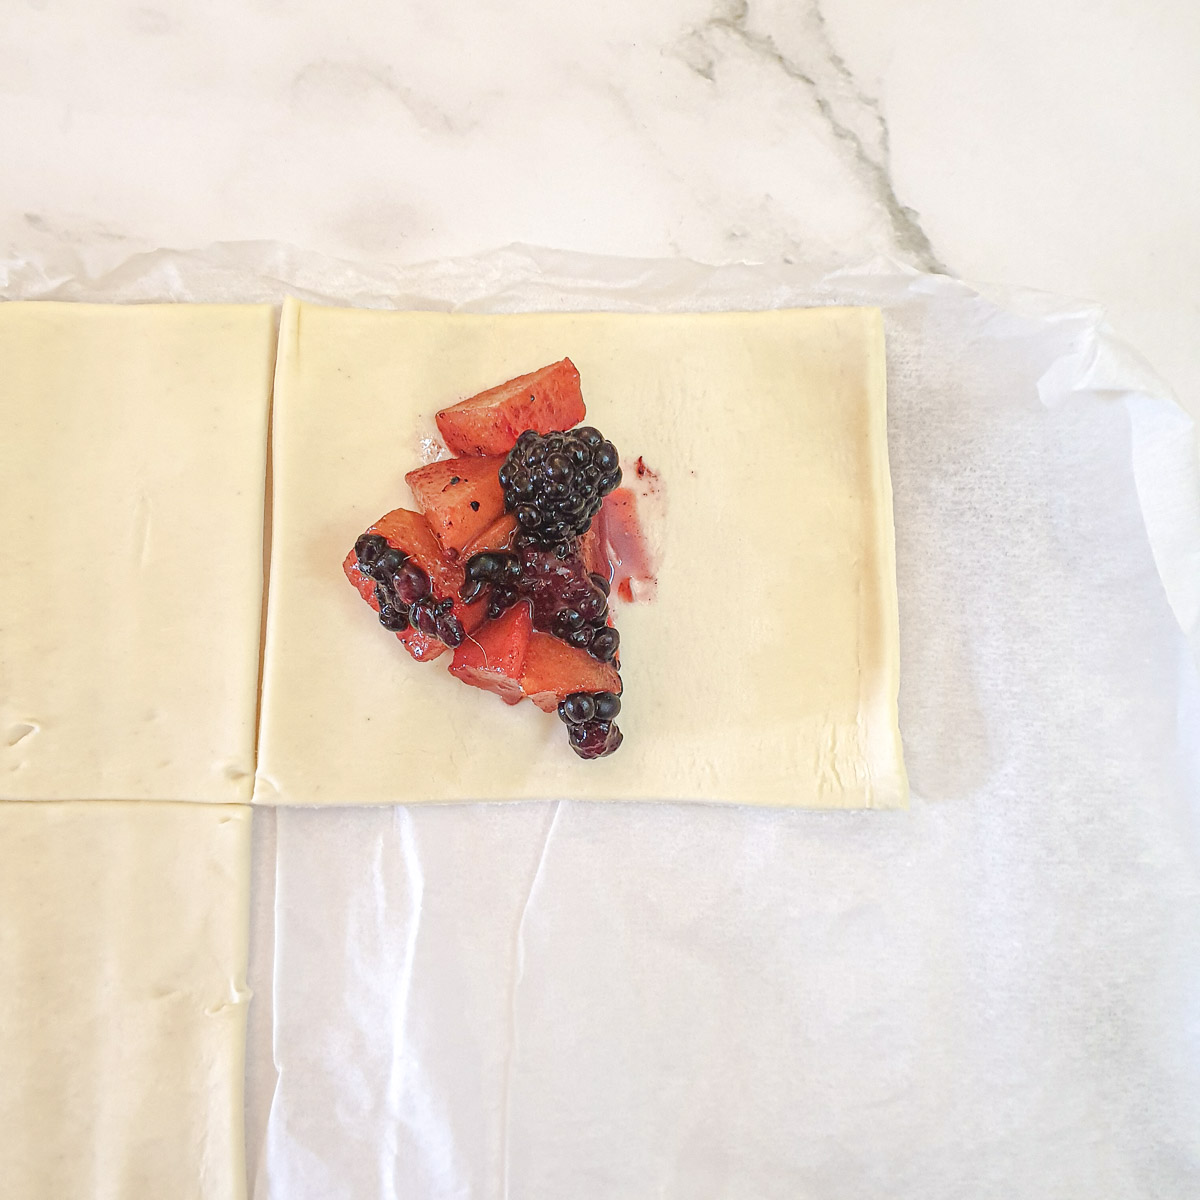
{"points": [[132, 479], [123, 930], [766, 670]]}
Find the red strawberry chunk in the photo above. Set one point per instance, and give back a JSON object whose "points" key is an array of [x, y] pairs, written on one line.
{"points": [[407, 531], [553, 670], [496, 537], [593, 554], [494, 657], [545, 400], [460, 498]]}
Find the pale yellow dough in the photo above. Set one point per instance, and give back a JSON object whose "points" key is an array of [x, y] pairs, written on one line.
{"points": [[766, 670], [123, 931], [132, 472]]}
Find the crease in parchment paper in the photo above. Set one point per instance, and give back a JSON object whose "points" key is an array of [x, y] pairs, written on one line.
{"points": [[517, 974]]}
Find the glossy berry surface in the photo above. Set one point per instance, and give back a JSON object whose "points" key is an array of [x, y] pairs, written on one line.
{"points": [[594, 739], [410, 583], [562, 593], [486, 567], [393, 617], [554, 484], [566, 600], [449, 630], [368, 548], [386, 565], [605, 645], [592, 606], [424, 618], [577, 708], [472, 590]]}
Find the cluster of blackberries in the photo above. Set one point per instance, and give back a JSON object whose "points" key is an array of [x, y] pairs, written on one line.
{"points": [[590, 718], [404, 592], [554, 484], [566, 600], [581, 707]]}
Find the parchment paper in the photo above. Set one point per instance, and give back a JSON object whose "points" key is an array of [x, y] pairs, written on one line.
{"points": [[996, 994]]}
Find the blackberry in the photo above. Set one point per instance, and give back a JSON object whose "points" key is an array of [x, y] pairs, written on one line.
{"points": [[581, 639], [494, 566], [605, 645], [411, 583], [472, 590], [565, 600], [424, 618], [567, 621], [595, 738], [557, 587], [592, 606], [577, 708], [581, 707], [501, 600], [386, 565], [394, 617], [368, 548], [427, 614], [450, 630], [485, 567], [555, 483]]}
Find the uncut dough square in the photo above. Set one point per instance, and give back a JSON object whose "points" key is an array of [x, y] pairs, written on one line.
{"points": [[765, 672], [123, 939], [132, 480]]}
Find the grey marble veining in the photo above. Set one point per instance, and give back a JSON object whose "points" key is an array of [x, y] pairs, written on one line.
{"points": [[855, 118], [1046, 146]]}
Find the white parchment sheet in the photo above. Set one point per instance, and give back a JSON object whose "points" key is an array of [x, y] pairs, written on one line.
{"points": [[996, 994]]}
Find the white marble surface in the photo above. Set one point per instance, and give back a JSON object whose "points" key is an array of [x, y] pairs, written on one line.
{"points": [[1051, 145]]}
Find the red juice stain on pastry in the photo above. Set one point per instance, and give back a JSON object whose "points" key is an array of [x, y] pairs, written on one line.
{"points": [[630, 532]]}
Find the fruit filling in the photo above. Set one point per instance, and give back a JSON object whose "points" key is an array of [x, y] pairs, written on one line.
{"points": [[555, 484], [489, 423], [403, 592], [566, 599], [459, 498], [502, 564]]}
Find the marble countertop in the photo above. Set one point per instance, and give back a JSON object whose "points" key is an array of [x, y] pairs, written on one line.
{"points": [[1008, 141]]}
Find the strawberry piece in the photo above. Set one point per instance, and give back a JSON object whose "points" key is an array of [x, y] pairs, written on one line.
{"points": [[553, 670], [407, 531], [545, 400], [496, 537], [494, 658], [460, 498], [593, 554], [422, 648]]}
